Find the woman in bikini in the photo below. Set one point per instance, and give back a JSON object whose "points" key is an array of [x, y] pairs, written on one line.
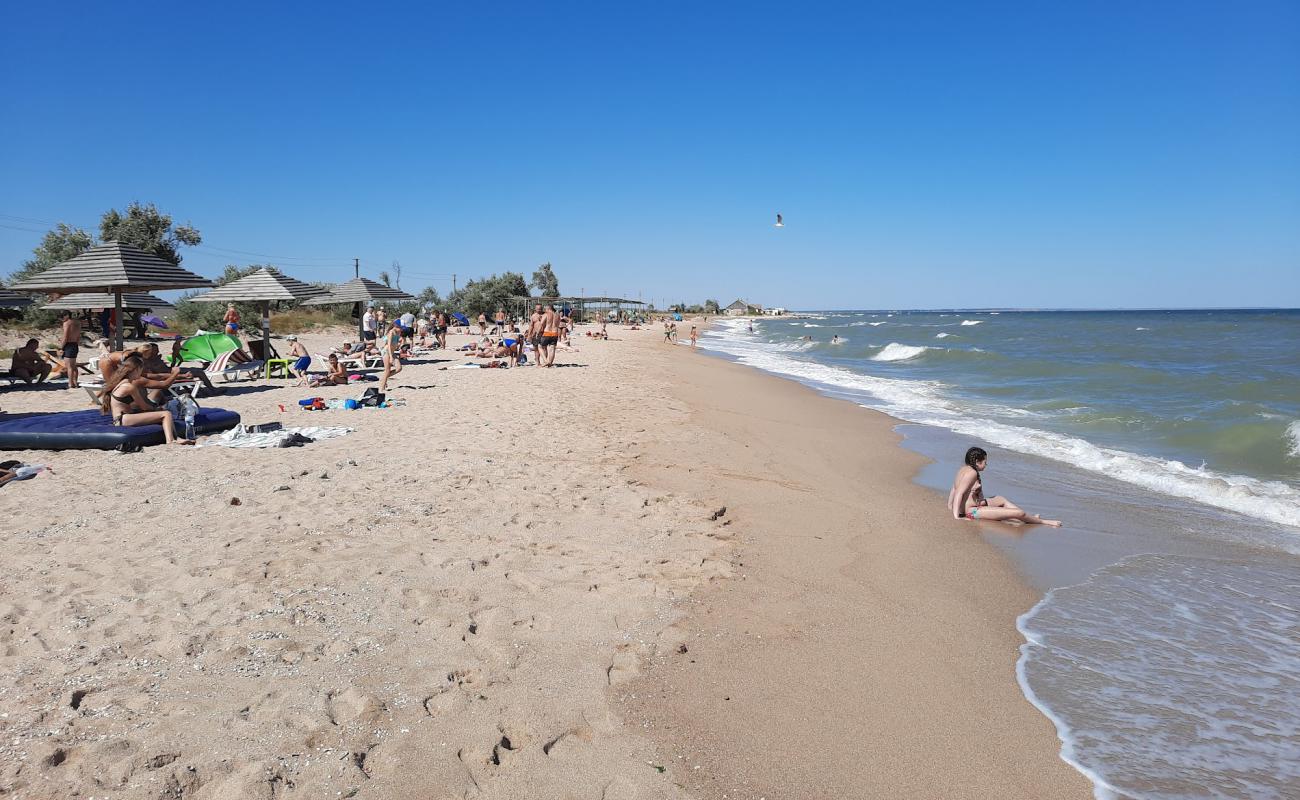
{"points": [[392, 360], [967, 500], [123, 398]]}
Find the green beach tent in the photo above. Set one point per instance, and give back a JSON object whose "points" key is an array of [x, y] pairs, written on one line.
{"points": [[207, 346]]}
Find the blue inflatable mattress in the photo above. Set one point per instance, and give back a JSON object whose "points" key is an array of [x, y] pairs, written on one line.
{"points": [[91, 430]]}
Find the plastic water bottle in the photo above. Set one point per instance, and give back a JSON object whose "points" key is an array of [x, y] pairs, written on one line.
{"points": [[189, 421]]}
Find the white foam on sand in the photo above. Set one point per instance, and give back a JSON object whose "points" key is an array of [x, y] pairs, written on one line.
{"points": [[934, 403]]}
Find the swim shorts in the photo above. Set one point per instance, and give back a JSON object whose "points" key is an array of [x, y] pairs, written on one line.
{"points": [[369, 336], [71, 350], [302, 363], [549, 341]]}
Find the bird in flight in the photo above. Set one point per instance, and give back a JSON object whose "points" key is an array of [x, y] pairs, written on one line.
{"points": [[779, 223]]}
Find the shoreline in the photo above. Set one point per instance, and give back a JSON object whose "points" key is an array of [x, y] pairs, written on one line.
{"points": [[866, 646]]}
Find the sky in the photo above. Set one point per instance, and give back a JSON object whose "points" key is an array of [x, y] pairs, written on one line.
{"points": [[924, 155]]}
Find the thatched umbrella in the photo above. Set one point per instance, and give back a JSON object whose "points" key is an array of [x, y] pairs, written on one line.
{"points": [[131, 301], [113, 267], [361, 291], [265, 286], [11, 300]]}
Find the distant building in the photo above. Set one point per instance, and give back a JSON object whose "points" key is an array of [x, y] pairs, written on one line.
{"points": [[737, 309], [774, 312]]}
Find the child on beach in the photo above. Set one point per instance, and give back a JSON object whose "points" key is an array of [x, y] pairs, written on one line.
{"points": [[967, 500]]}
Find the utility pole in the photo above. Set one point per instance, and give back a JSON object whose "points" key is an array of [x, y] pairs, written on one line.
{"points": [[453, 283], [356, 267]]}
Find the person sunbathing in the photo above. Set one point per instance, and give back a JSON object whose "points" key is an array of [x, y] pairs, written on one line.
{"points": [[967, 500], [27, 364], [123, 398]]}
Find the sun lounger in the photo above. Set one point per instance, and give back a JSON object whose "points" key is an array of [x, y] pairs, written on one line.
{"points": [[229, 370], [362, 360], [56, 363]]}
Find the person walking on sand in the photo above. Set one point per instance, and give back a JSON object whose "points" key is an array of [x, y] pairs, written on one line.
{"points": [[390, 352], [69, 346], [302, 359], [534, 333], [550, 335], [967, 500], [695, 337]]}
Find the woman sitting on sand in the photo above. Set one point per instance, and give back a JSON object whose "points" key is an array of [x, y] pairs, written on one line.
{"points": [[123, 398], [967, 496]]}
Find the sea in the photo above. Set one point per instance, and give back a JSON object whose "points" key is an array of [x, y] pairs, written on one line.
{"points": [[1166, 646]]}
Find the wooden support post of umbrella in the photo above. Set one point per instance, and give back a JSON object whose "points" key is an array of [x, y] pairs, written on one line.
{"points": [[115, 268], [361, 291], [131, 301], [263, 287]]}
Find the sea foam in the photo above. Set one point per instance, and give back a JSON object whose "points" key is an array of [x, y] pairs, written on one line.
{"points": [[898, 352], [1171, 677], [972, 321]]}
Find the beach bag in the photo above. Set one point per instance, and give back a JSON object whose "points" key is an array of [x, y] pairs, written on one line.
{"points": [[371, 397]]}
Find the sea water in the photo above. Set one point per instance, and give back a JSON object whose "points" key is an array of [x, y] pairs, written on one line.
{"points": [[1167, 645]]}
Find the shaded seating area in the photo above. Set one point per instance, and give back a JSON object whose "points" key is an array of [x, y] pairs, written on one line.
{"points": [[92, 430]]}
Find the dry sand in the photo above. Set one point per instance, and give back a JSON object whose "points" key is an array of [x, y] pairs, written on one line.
{"points": [[457, 599]]}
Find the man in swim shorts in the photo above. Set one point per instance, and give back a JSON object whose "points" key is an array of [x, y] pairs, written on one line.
{"points": [[302, 359], [534, 332], [70, 346], [550, 336]]}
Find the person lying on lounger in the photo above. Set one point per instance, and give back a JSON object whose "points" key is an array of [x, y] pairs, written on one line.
{"points": [[27, 364], [123, 398]]}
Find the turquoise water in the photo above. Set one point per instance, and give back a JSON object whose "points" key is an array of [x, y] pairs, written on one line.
{"points": [[1166, 649]]}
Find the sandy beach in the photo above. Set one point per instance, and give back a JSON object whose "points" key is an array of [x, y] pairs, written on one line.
{"points": [[521, 583]]}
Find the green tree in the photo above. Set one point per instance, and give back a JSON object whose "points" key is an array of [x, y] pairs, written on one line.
{"points": [[145, 227], [428, 297], [59, 245], [385, 279], [486, 295], [711, 306], [545, 282]]}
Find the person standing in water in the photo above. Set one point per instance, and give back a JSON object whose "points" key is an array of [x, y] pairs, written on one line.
{"points": [[967, 500], [695, 336]]}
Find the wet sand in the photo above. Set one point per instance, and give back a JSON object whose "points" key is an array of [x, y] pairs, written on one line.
{"points": [[867, 646]]}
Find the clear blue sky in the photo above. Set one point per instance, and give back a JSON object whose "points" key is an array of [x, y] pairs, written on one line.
{"points": [[924, 155]]}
